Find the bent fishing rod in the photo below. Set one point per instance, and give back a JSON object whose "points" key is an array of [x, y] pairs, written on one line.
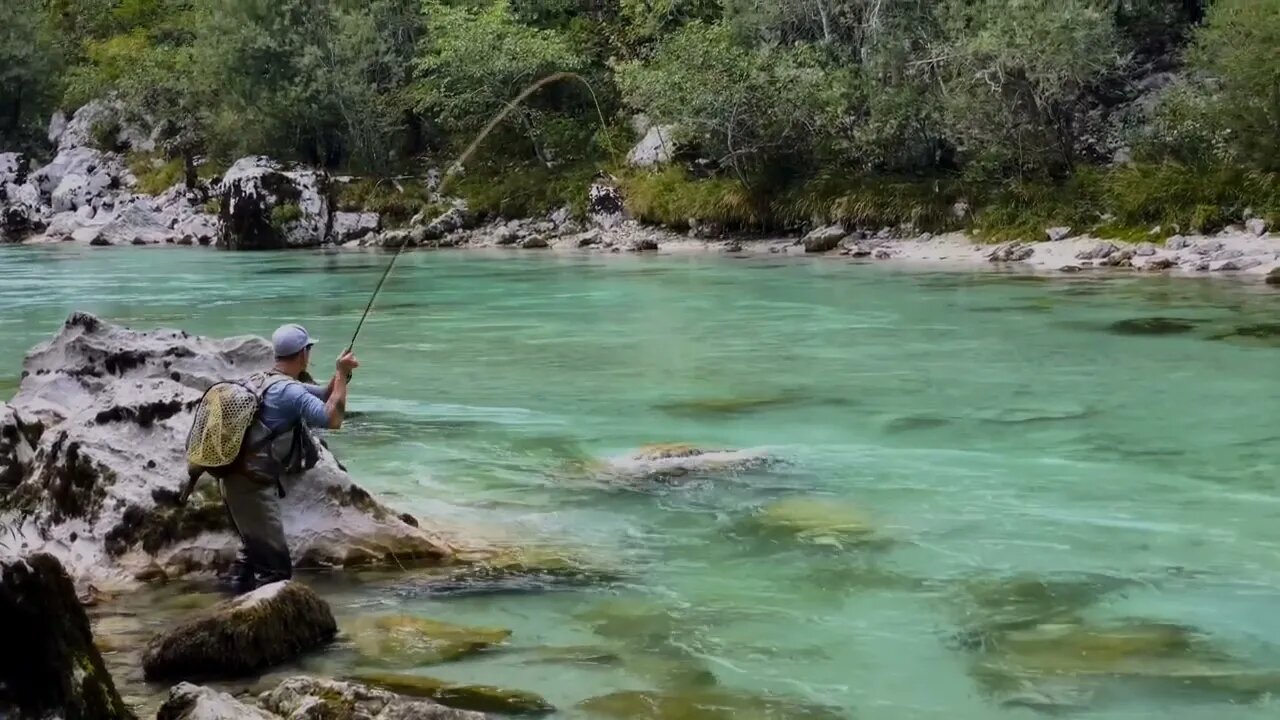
{"points": [[458, 164]]}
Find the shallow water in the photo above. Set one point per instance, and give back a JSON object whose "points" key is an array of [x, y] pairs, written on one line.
{"points": [[989, 426]]}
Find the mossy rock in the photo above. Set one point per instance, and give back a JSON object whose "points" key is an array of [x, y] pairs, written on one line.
{"points": [[576, 655], [1153, 326], [1261, 334], [49, 666], [243, 636], [816, 521], [668, 451], [1002, 604], [482, 698], [405, 640], [707, 704]]}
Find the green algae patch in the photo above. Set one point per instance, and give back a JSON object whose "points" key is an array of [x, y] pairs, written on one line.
{"points": [[482, 698], [404, 640]]}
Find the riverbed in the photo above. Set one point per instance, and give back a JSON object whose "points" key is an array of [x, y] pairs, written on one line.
{"points": [[1105, 440]]}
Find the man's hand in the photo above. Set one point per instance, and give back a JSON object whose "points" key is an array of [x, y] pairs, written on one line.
{"points": [[347, 362]]}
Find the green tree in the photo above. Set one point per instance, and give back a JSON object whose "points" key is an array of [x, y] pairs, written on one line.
{"points": [[1238, 52], [31, 63], [755, 111], [477, 60], [1018, 80]]}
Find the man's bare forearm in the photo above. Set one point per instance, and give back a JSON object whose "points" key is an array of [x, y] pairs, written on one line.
{"points": [[337, 403]]}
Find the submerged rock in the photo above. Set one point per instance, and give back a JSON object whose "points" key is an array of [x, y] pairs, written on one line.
{"points": [[49, 666], [192, 702], [116, 405], [703, 704], [509, 570], [1257, 333], [482, 698], [672, 461], [1153, 326], [306, 698], [242, 636], [407, 641], [725, 406], [814, 520]]}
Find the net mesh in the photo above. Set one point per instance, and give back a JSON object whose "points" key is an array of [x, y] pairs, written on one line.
{"points": [[221, 421]]}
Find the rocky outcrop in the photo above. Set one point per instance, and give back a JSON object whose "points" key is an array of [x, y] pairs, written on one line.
{"points": [[192, 702], [305, 698], [49, 666], [115, 406], [605, 206], [18, 439], [266, 207], [352, 226], [243, 636]]}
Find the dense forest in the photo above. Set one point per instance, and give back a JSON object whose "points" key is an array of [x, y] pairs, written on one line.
{"points": [[999, 115]]}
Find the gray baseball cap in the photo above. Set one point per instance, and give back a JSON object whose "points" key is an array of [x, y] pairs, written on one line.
{"points": [[290, 340]]}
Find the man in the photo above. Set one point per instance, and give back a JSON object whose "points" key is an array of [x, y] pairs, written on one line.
{"points": [[276, 446]]}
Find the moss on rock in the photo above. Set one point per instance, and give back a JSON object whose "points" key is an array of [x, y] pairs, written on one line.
{"points": [[407, 640], [482, 698], [243, 636], [50, 666]]}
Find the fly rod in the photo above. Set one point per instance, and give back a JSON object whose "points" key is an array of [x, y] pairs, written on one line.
{"points": [[466, 155]]}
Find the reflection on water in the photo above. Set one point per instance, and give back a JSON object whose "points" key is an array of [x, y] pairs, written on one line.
{"points": [[998, 496]]}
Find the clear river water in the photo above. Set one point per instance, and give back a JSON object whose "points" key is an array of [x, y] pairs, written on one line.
{"points": [[1067, 514]]}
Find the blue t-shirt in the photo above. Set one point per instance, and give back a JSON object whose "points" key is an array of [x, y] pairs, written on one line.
{"points": [[289, 401]]}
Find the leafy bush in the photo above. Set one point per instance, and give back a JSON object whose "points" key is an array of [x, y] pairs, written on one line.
{"points": [[284, 214]]}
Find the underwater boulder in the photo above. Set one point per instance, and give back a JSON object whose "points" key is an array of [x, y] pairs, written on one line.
{"points": [[703, 704], [405, 640], [1153, 326], [307, 698], [482, 698], [668, 462], [813, 520], [244, 635]]}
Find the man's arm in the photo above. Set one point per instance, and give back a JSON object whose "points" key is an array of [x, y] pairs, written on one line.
{"points": [[336, 406]]}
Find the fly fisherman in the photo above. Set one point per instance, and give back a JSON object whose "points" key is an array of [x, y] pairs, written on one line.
{"points": [[279, 443]]}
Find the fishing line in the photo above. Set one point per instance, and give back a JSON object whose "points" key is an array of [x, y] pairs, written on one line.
{"points": [[466, 155]]}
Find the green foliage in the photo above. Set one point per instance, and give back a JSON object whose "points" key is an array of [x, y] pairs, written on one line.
{"points": [[284, 214], [396, 200], [1018, 79], [671, 197], [525, 191], [155, 174], [475, 61], [1239, 50], [31, 65], [752, 110]]}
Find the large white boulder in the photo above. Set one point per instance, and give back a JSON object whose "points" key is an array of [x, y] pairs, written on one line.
{"points": [[655, 148], [115, 406], [265, 206]]}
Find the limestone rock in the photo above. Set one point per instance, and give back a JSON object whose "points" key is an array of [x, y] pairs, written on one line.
{"points": [[1011, 252], [98, 121], [1273, 276], [655, 148], [244, 635], [192, 702], [1234, 264], [1097, 252], [18, 439], [644, 244], [1256, 226], [116, 405], [1160, 263], [140, 222], [305, 698], [266, 207], [605, 206], [1177, 242], [1145, 249], [588, 238], [533, 242], [50, 666], [823, 239], [673, 461], [349, 226], [1120, 258], [1054, 234]]}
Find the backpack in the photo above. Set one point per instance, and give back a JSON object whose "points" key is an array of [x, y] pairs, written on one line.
{"points": [[224, 419]]}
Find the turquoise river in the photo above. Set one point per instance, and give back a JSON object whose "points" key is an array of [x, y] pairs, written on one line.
{"points": [[1070, 512]]}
